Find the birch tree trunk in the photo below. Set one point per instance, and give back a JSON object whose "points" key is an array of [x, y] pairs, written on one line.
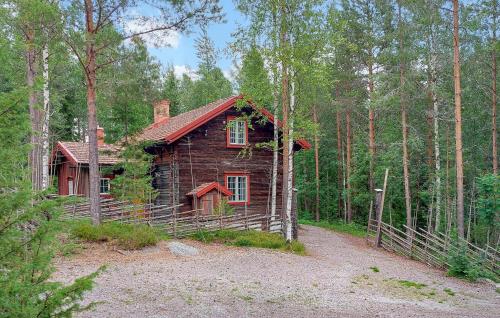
{"points": [[46, 118], [371, 125], [285, 108], [275, 149], [275, 113], [406, 173], [289, 196], [316, 160], [435, 116], [458, 124], [90, 75], [35, 114]]}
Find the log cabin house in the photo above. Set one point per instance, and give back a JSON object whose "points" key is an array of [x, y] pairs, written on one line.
{"points": [[201, 157]]}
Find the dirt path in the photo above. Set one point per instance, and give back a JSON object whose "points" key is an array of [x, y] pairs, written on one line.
{"points": [[334, 280]]}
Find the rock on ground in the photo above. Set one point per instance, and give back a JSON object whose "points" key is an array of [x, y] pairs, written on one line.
{"points": [[181, 249]]}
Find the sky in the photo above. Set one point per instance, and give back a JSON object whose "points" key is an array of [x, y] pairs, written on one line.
{"points": [[181, 52]]}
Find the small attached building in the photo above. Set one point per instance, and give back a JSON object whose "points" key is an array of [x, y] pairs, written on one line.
{"points": [[69, 164]]}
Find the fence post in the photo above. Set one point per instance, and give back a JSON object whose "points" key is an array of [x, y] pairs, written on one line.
{"points": [[369, 220], [379, 208], [175, 223], [197, 222]]}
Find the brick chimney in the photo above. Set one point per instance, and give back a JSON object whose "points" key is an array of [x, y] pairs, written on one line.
{"points": [[161, 110], [100, 136]]}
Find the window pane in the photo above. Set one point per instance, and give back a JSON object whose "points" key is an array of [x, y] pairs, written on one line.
{"points": [[104, 186], [232, 132], [241, 132], [231, 185], [242, 185]]}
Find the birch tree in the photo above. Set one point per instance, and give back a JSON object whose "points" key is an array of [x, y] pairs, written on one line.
{"points": [[30, 20]]}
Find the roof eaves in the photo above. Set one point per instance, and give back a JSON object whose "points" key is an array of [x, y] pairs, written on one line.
{"points": [[67, 153]]}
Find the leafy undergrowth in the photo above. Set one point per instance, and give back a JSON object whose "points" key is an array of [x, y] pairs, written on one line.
{"points": [[251, 239], [338, 226], [126, 236]]}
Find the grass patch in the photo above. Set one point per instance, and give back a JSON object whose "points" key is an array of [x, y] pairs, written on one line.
{"points": [[449, 291], [251, 239], [375, 269], [126, 236], [338, 226], [410, 284]]}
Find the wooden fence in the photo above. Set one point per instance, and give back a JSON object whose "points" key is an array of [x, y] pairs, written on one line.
{"points": [[176, 224], [433, 249]]}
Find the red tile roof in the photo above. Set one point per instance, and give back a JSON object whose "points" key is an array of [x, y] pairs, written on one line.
{"points": [[78, 152], [175, 127], [204, 188], [170, 128]]}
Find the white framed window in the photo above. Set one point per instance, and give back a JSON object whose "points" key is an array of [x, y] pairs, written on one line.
{"points": [[71, 189], [239, 186], [237, 132], [104, 186]]}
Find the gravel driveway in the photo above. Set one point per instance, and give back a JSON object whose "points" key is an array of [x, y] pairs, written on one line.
{"points": [[338, 278]]}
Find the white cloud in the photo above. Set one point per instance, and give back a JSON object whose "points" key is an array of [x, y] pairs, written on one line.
{"points": [[164, 38], [231, 73], [179, 70]]}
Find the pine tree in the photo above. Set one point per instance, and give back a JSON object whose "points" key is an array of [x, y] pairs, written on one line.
{"points": [[254, 80]]}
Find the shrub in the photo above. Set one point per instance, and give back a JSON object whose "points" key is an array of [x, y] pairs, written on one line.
{"points": [[462, 266], [250, 239], [126, 236]]}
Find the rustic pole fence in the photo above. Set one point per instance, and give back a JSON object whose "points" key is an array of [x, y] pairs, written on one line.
{"points": [[379, 208]]}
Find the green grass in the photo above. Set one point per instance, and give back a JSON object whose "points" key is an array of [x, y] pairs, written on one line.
{"points": [[449, 291], [251, 239], [375, 269], [339, 226], [409, 284], [126, 236]]}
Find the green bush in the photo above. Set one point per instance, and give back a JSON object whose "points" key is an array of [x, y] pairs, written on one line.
{"points": [[126, 236], [250, 239], [462, 266]]}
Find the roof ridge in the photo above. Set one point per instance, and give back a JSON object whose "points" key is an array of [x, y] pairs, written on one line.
{"points": [[189, 112]]}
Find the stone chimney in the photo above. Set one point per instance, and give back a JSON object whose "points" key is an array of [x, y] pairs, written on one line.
{"points": [[100, 136], [161, 110]]}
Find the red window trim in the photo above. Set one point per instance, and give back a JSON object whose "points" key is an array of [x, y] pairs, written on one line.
{"points": [[230, 145], [238, 174]]}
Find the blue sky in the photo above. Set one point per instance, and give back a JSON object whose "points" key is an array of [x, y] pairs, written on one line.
{"points": [[183, 54]]}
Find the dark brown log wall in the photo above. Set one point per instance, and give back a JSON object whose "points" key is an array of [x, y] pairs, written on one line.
{"points": [[202, 156]]}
